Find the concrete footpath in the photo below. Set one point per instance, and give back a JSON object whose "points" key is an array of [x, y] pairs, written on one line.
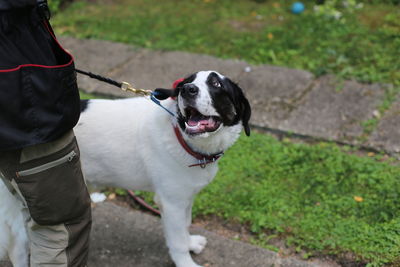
{"points": [[122, 237]]}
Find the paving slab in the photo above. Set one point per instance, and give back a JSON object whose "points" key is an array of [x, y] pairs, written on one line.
{"points": [[153, 69], [282, 99], [271, 90], [99, 57], [387, 134], [334, 110], [274, 92], [124, 237], [142, 68]]}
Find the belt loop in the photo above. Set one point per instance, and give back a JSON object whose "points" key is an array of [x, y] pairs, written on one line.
{"points": [[44, 10]]}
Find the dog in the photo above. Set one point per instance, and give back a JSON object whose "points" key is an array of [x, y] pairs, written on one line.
{"points": [[134, 144]]}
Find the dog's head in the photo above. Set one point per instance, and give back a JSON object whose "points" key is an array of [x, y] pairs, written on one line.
{"points": [[207, 102]]}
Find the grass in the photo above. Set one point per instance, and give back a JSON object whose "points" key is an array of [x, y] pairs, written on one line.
{"points": [[85, 95], [362, 45], [318, 198]]}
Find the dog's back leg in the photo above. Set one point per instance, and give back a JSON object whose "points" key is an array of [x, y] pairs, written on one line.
{"points": [[18, 250]]}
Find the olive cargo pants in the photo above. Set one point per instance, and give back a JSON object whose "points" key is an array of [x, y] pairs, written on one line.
{"points": [[49, 181]]}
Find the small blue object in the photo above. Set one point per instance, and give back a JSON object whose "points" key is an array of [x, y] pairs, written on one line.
{"points": [[297, 7]]}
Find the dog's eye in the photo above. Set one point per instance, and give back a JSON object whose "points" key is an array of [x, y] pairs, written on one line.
{"points": [[216, 83]]}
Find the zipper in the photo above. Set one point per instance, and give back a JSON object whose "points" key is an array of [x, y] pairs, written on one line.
{"points": [[67, 158]]}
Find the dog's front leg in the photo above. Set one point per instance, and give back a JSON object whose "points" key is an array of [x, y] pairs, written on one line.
{"points": [[197, 242], [174, 218]]}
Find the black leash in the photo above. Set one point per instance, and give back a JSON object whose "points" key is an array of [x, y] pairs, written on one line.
{"points": [[100, 78]]}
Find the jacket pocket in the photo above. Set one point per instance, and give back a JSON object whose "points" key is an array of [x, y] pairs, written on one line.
{"points": [[55, 191]]}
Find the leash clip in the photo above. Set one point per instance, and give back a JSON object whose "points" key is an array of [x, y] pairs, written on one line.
{"points": [[125, 86]]}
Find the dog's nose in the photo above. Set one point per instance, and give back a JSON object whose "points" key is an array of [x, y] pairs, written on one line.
{"points": [[190, 90]]}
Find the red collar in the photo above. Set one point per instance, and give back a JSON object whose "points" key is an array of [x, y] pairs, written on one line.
{"points": [[203, 159]]}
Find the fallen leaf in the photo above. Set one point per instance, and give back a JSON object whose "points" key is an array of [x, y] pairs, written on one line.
{"points": [[358, 199]]}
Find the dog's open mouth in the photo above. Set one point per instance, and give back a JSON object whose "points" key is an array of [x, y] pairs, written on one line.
{"points": [[197, 123]]}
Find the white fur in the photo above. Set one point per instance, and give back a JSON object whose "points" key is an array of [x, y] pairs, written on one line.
{"points": [[131, 144], [13, 236]]}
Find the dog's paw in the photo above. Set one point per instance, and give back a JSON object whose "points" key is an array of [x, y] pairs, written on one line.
{"points": [[197, 243], [183, 260], [190, 265]]}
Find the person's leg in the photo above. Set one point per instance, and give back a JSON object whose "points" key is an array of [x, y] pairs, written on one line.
{"points": [[49, 179], [60, 245]]}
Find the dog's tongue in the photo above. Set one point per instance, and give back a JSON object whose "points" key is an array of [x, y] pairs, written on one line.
{"points": [[198, 119], [200, 124]]}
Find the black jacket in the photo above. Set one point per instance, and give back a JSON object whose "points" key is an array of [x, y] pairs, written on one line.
{"points": [[9, 4], [39, 97]]}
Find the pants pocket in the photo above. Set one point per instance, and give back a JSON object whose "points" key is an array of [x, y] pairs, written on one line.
{"points": [[54, 188]]}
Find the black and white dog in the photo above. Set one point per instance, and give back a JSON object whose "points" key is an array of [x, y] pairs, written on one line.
{"points": [[134, 144]]}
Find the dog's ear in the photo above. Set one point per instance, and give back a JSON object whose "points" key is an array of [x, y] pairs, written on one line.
{"points": [[242, 105], [162, 94], [246, 114]]}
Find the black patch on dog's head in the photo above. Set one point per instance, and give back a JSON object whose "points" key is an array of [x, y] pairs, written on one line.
{"points": [[229, 101]]}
